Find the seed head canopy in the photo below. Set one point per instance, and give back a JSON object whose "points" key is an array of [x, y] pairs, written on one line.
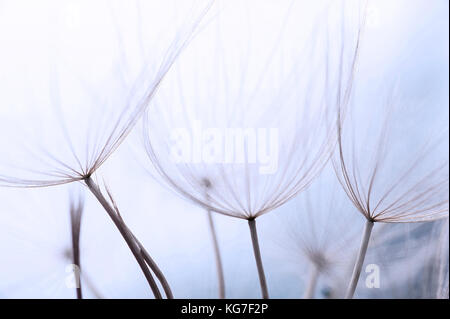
{"points": [[257, 129], [76, 76]]}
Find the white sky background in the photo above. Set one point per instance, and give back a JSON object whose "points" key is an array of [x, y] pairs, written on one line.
{"points": [[405, 43]]}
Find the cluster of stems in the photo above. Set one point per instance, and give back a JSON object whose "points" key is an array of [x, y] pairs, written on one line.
{"points": [[142, 257]]}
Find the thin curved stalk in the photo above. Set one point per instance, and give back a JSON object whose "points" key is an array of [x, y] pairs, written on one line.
{"points": [[148, 259], [154, 267], [126, 234], [312, 282], [76, 212], [360, 260], [218, 258], [76, 261], [259, 264]]}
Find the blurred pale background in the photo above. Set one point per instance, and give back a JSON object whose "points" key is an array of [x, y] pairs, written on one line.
{"points": [[405, 44]]}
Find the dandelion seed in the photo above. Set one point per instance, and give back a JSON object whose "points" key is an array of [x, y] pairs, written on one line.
{"points": [[388, 176], [312, 231], [222, 125], [70, 111]]}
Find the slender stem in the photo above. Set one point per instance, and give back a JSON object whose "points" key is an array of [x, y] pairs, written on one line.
{"points": [[75, 226], [220, 274], [360, 260], [125, 232], [312, 282], [259, 264], [154, 267], [76, 261]]}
